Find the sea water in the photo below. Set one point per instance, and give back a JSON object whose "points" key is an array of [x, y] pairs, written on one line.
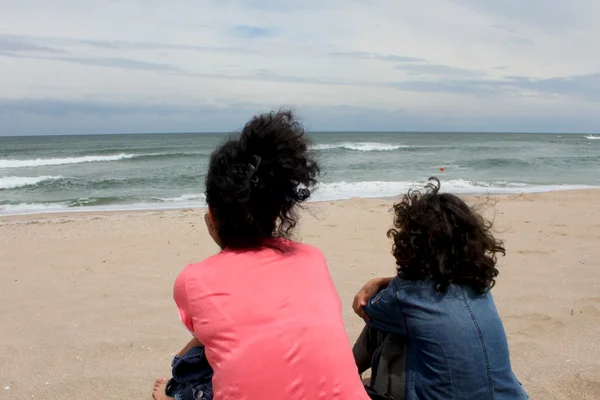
{"points": [[113, 172]]}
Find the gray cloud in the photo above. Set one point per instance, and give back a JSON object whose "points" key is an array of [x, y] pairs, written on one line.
{"points": [[272, 76], [269, 75], [579, 85], [457, 81], [412, 65], [37, 47], [52, 116], [113, 62], [586, 86], [361, 55], [125, 63], [118, 63], [127, 45], [44, 41], [59, 108], [436, 69], [11, 45], [461, 86]]}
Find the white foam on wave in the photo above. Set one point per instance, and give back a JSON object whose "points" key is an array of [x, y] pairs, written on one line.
{"points": [[32, 208], [375, 189], [167, 203], [325, 192], [46, 208], [361, 146], [13, 182], [592, 137], [42, 162], [183, 197]]}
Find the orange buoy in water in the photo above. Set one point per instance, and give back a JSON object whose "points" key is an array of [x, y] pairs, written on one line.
{"points": [[442, 169]]}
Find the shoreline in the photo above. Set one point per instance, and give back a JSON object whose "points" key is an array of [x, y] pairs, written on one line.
{"points": [[119, 210]]}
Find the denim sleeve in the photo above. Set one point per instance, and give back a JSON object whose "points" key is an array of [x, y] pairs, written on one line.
{"points": [[385, 312]]}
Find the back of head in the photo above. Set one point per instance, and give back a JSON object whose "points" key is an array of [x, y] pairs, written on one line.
{"points": [[438, 237], [256, 180]]}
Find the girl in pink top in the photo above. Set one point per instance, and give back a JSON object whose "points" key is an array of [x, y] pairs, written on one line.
{"points": [[265, 307]]}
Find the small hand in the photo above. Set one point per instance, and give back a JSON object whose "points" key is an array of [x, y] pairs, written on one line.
{"points": [[363, 296]]}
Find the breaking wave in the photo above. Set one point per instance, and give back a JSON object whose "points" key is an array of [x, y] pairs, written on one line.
{"points": [[14, 182], [361, 146]]}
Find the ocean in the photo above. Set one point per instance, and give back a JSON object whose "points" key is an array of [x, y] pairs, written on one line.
{"points": [[122, 172]]}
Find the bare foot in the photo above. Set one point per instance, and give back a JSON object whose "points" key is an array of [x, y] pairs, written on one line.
{"points": [[159, 389]]}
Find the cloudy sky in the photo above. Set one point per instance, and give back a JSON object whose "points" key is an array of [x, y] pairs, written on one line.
{"points": [[107, 66]]}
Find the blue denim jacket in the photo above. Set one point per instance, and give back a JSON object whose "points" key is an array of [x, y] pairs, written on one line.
{"points": [[456, 344]]}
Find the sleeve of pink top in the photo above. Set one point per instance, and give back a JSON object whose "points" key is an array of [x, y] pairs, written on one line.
{"points": [[180, 297]]}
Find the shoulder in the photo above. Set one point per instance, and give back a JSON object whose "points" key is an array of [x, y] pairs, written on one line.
{"points": [[421, 285], [307, 249], [308, 253], [409, 291], [421, 291], [198, 269], [194, 275]]}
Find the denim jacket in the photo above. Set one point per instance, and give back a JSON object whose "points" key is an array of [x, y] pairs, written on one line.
{"points": [[456, 344]]}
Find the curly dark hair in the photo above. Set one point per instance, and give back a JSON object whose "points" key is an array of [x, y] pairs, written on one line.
{"points": [[438, 237], [255, 181]]}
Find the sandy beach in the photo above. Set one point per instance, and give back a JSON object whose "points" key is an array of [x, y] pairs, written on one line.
{"points": [[86, 308]]}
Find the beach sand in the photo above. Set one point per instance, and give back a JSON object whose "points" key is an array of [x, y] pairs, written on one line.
{"points": [[87, 313]]}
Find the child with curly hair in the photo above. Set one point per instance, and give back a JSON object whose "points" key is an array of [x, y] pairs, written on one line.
{"points": [[264, 313], [438, 308]]}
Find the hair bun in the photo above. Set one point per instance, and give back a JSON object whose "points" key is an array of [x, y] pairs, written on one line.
{"points": [[258, 178]]}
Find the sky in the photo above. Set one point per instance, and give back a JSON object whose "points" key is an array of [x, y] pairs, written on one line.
{"points": [[127, 66]]}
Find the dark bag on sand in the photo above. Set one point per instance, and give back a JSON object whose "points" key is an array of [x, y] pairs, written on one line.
{"points": [[385, 355], [389, 367], [192, 376], [374, 395]]}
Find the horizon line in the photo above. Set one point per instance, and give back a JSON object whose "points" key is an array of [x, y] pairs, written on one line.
{"points": [[308, 132]]}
